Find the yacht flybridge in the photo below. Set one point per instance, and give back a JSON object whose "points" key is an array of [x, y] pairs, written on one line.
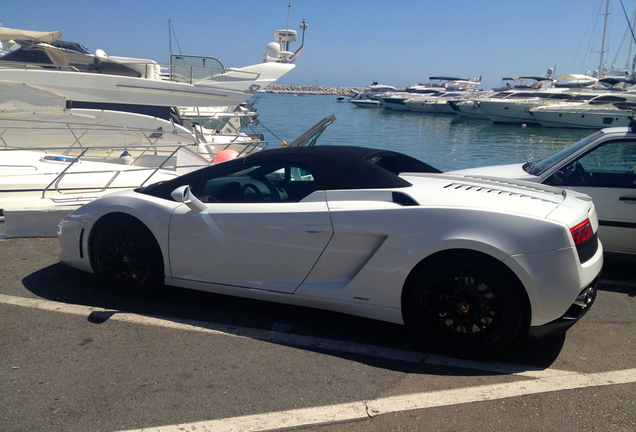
{"points": [[71, 72]]}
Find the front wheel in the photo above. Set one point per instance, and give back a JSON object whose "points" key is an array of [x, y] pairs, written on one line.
{"points": [[126, 256], [467, 305]]}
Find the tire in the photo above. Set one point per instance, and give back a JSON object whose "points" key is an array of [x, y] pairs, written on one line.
{"points": [[126, 257], [467, 305]]}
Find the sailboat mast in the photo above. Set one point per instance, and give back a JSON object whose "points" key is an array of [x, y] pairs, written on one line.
{"points": [[170, 40], [600, 66]]}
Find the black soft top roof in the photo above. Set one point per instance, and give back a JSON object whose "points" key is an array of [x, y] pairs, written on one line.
{"points": [[335, 167], [348, 167]]}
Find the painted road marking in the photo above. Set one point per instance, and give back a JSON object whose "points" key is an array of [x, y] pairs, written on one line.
{"points": [[532, 380], [362, 410]]}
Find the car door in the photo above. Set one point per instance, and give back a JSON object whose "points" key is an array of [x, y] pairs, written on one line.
{"points": [[607, 173], [263, 228]]}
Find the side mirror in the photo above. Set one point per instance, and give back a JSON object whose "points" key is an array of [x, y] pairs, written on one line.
{"points": [[183, 195]]}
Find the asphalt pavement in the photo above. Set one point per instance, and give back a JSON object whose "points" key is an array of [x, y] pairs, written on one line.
{"points": [[78, 358]]}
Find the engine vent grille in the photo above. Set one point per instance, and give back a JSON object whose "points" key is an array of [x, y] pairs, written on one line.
{"points": [[534, 187], [496, 191]]}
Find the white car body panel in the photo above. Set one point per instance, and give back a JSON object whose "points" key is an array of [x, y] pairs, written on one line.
{"points": [[353, 250], [274, 244]]}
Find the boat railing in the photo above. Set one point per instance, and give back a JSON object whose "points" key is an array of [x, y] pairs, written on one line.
{"points": [[27, 65], [55, 183], [71, 134], [124, 164], [188, 74]]}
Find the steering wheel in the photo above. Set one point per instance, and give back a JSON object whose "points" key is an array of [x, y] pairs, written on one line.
{"points": [[250, 192], [575, 174]]}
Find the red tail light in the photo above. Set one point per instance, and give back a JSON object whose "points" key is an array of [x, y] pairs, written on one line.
{"points": [[582, 232]]}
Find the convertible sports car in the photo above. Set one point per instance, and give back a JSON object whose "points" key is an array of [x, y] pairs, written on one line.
{"points": [[472, 265], [602, 166]]}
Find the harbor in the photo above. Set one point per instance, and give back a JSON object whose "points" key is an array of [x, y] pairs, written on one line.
{"points": [[440, 236]]}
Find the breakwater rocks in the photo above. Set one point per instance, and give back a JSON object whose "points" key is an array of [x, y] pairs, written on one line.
{"points": [[312, 90]]}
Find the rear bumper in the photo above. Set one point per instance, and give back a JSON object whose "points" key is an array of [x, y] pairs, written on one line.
{"points": [[577, 310]]}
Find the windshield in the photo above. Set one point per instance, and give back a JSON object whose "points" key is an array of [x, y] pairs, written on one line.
{"points": [[538, 167]]}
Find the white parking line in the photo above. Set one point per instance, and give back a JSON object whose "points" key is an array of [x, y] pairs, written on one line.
{"points": [[367, 409], [532, 380]]}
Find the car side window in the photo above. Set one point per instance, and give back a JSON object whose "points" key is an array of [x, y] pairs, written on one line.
{"points": [[611, 165], [258, 183]]}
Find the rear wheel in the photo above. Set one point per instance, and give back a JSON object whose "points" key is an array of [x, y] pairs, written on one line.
{"points": [[126, 256], [468, 306]]}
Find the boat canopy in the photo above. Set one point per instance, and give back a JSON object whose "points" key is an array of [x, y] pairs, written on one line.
{"points": [[7, 34], [45, 54], [576, 80], [577, 77]]}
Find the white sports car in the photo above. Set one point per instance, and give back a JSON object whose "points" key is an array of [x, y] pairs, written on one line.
{"points": [[602, 166], [472, 265]]}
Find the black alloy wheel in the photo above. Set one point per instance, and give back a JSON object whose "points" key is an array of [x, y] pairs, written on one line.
{"points": [[468, 307], [126, 256]]}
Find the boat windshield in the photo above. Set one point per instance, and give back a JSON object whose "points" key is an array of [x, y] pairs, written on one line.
{"points": [[536, 168]]}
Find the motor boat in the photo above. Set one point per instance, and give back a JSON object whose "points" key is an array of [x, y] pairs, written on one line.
{"points": [[58, 101], [46, 83], [368, 98], [597, 113], [68, 70], [513, 106], [517, 107], [438, 86], [455, 91], [469, 108]]}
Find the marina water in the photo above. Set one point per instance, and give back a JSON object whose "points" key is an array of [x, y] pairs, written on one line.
{"points": [[446, 142]]}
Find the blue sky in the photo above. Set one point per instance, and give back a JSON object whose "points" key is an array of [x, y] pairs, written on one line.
{"points": [[349, 43]]}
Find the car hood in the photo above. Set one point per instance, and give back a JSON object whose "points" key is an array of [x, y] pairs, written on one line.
{"points": [[512, 171], [498, 195]]}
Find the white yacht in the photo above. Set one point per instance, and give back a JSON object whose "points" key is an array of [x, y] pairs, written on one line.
{"points": [[439, 104], [57, 101], [599, 112], [438, 86], [68, 70], [469, 108], [514, 107], [369, 97], [43, 78], [396, 101], [508, 104]]}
